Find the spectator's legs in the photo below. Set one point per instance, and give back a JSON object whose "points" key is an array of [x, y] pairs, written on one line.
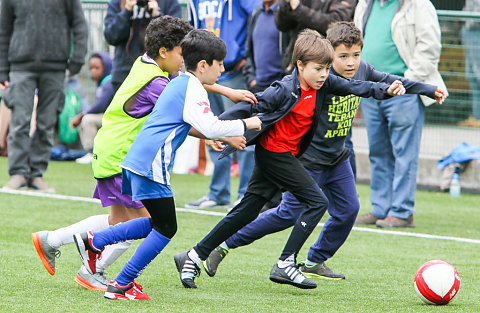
{"points": [[220, 182], [51, 98], [381, 157], [19, 98], [245, 158], [89, 127], [246, 162], [405, 135], [349, 146]]}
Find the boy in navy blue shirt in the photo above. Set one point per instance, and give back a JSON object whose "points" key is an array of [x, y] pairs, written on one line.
{"points": [[290, 111], [326, 160]]}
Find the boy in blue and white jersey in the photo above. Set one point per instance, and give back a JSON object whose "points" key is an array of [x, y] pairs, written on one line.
{"points": [[146, 167]]}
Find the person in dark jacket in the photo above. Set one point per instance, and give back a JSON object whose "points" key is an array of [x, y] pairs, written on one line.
{"points": [[36, 38], [290, 111], [90, 121], [327, 161], [125, 25], [295, 15], [264, 48]]}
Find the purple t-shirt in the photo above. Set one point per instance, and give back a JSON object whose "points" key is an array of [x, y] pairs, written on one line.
{"points": [[145, 100]]}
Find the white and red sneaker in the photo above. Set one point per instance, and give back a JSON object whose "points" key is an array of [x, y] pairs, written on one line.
{"points": [[88, 253], [132, 291]]}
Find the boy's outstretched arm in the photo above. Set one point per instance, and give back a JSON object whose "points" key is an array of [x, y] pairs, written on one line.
{"points": [[411, 86], [236, 95]]}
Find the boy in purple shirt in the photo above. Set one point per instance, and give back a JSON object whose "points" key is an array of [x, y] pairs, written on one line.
{"points": [[130, 107]]}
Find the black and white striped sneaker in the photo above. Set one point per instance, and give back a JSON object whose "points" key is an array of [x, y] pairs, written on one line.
{"points": [[187, 268], [292, 276]]}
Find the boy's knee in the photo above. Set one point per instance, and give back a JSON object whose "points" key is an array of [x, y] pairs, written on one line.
{"points": [[166, 230]]}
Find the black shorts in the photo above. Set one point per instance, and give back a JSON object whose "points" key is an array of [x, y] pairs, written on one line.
{"points": [[275, 171]]}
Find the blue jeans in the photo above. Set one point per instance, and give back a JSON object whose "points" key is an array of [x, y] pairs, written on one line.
{"points": [[394, 129], [471, 41], [338, 186], [220, 183]]}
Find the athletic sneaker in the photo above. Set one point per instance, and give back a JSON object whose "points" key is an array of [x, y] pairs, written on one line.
{"points": [[86, 159], [88, 253], [187, 268], [46, 252], [292, 276], [211, 263], [97, 281], [205, 203], [320, 270], [132, 291]]}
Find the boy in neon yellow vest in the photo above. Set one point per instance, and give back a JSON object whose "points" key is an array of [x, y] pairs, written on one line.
{"points": [[121, 123]]}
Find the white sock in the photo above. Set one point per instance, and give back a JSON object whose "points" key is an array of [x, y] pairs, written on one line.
{"points": [[63, 236], [111, 254], [287, 262], [193, 255], [224, 246], [310, 263]]}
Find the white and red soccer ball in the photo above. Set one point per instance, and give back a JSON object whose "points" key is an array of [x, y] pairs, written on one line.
{"points": [[437, 282]]}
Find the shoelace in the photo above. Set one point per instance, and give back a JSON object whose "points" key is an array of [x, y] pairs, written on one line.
{"points": [[190, 270], [58, 253], [293, 272], [138, 286]]}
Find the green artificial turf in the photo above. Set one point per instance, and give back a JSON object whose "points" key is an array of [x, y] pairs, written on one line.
{"points": [[379, 267]]}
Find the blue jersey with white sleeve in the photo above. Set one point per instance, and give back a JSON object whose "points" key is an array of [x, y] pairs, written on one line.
{"points": [[183, 104]]}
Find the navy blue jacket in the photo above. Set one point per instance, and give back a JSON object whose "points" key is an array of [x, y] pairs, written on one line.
{"points": [[327, 148], [282, 96], [126, 31]]}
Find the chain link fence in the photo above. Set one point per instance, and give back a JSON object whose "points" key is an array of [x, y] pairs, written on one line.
{"points": [[442, 131]]}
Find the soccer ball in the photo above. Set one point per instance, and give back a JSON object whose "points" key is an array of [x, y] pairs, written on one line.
{"points": [[437, 282]]}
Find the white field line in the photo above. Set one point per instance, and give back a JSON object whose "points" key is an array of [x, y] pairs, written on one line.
{"points": [[214, 213]]}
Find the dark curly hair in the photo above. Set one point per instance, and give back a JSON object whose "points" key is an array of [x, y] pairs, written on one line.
{"points": [[344, 33], [165, 31], [201, 45]]}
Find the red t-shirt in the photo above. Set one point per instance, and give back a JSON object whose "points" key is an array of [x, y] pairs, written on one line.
{"points": [[287, 133]]}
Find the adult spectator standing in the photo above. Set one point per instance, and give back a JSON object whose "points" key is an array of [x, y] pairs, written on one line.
{"points": [[125, 25], [264, 47], [471, 42], [228, 20], [35, 50], [295, 15], [401, 38]]}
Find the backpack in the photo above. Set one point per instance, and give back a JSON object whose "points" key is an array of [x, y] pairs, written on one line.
{"points": [[72, 107]]}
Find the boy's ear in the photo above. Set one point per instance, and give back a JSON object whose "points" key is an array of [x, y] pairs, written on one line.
{"points": [[162, 52], [201, 65], [300, 65]]}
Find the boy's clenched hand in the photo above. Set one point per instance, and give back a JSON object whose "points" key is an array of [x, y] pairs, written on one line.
{"points": [[396, 89]]}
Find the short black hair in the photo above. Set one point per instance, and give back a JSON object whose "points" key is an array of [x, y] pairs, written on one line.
{"points": [[201, 45], [345, 33], [166, 32]]}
